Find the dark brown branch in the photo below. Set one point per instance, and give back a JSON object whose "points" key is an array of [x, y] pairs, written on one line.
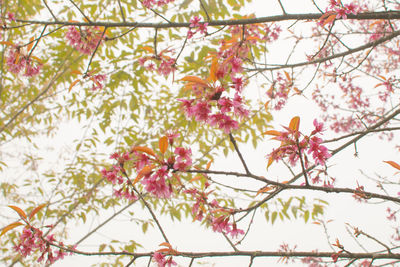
{"points": [[121, 10], [80, 10], [343, 255], [312, 16], [233, 141], [49, 9]]}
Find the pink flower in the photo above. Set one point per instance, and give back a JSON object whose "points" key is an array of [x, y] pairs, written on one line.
{"points": [[319, 152], [221, 224], [161, 261], [156, 185], [194, 22], [224, 122], [235, 232], [98, 81], [201, 111], [85, 40], [10, 16]]}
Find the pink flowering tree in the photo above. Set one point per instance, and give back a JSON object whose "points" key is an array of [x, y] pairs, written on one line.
{"points": [[172, 132]]}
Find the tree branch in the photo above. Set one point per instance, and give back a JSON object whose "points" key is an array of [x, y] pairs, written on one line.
{"points": [[312, 16]]}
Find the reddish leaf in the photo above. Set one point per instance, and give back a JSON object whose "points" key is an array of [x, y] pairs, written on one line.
{"points": [[195, 80], [76, 72], [73, 84], [20, 212], [163, 144], [294, 123], [270, 160], [329, 19], [393, 164], [148, 49], [144, 150], [30, 44], [213, 70], [6, 43], [273, 132], [10, 226], [264, 189], [165, 244], [209, 165], [36, 210], [143, 172]]}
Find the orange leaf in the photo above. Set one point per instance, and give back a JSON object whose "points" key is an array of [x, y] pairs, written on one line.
{"points": [[144, 150], [76, 72], [294, 123], [163, 144], [165, 244], [148, 49], [287, 76], [6, 43], [213, 70], [263, 190], [20, 212], [209, 165], [36, 210], [30, 44], [272, 132], [37, 59], [195, 79], [167, 250], [329, 19], [143, 172], [270, 160], [9, 227], [393, 164], [73, 84], [197, 177]]}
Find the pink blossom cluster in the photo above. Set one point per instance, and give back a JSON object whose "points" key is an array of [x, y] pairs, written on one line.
{"points": [[291, 143], [161, 63], [85, 40], [32, 239], [343, 10], [220, 223], [162, 261], [197, 27], [210, 105], [153, 3], [279, 91], [156, 172], [16, 62], [98, 81]]}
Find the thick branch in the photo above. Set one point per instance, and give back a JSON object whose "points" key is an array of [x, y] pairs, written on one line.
{"points": [[361, 16]]}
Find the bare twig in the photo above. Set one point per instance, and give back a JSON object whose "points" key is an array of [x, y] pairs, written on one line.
{"points": [[233, 141], [49, 9]]}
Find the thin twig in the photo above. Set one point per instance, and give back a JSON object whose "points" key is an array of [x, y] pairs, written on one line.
{"points": [[205, 10], [283, 9], [49, 9], [37, 41], [233, 141], [83, 14], [121, 10], [94, 52]]}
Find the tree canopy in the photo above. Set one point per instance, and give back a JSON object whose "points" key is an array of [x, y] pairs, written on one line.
{"points": [[155, 111]]}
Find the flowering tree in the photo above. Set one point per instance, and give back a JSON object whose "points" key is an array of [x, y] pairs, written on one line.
{"points": [[162, 89]]}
